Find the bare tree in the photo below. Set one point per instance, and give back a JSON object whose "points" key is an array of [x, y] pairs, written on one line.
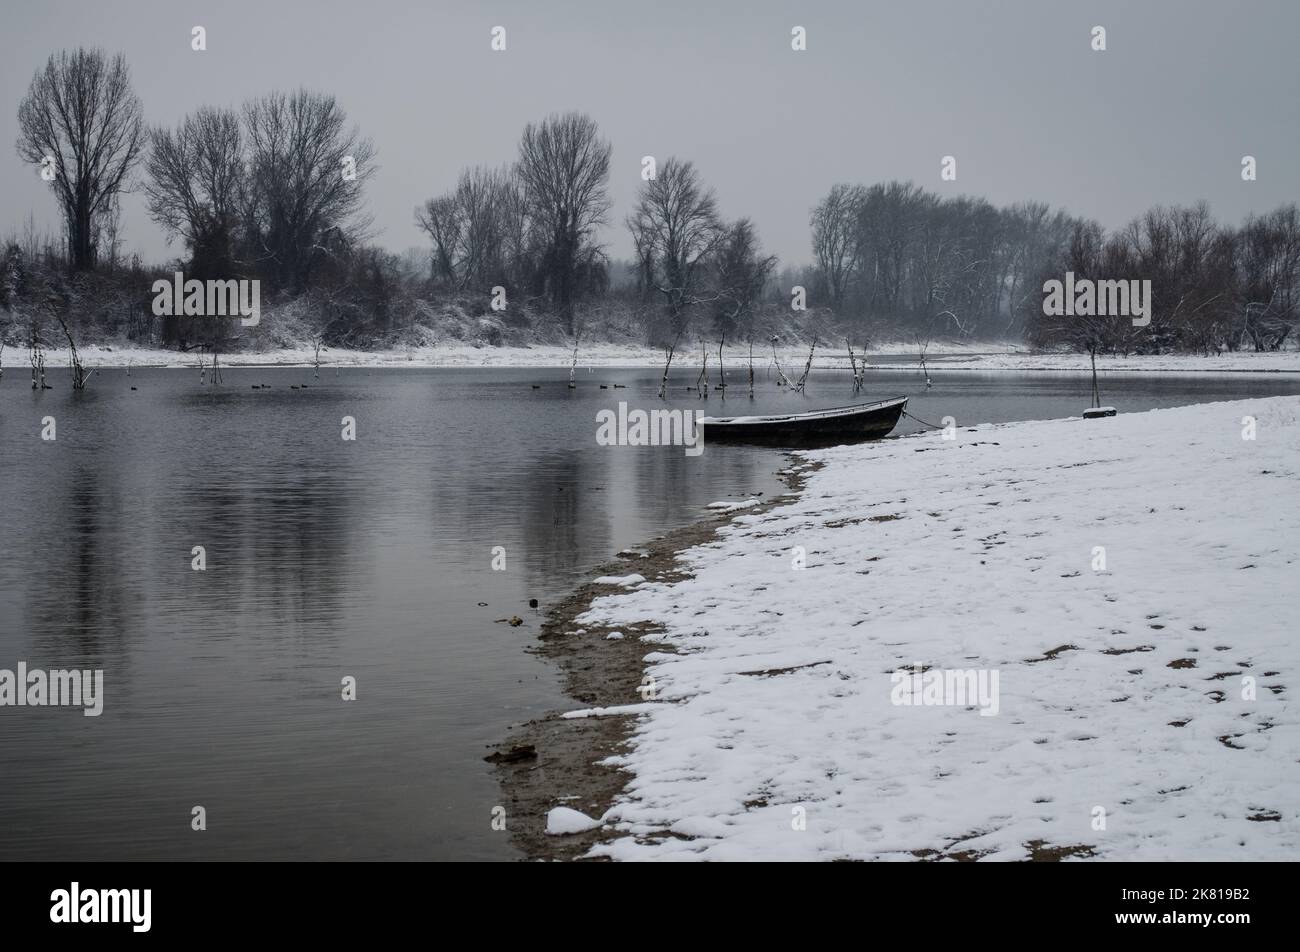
{"points": [[676, 221], [858, 373], [1088, 255], [440, 218], [1268, 279], [564, 167], [195, 186], [307, 171], [807, 367], [478, 236], [741, 273], [1035, 237], [81, 113], [108, 235], [643, 246], [676, 226], [835, 238], [518, 232]]}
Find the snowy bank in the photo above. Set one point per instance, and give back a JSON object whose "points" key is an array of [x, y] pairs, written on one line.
{"points": [[441, 355], [1145, 704], [594, 354], [1286, 361], [979, 356]]}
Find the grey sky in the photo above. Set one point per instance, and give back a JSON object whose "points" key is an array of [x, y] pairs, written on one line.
{"points": [[1012, 89]]}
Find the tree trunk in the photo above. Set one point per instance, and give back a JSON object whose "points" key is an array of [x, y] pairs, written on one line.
{"points": [[1096, 394], [80, 239]]}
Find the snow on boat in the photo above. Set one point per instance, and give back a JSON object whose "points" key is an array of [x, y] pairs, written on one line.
{"points": [[855, 424]]}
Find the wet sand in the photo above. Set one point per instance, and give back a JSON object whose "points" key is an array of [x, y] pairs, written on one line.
{"points": [[552, 761]]}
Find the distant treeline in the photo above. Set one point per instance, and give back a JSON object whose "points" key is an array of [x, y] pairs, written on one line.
{"points": [[274, 191], [897, 256]]}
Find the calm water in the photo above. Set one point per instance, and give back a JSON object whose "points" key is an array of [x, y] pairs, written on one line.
{"points": [[327, 559]]}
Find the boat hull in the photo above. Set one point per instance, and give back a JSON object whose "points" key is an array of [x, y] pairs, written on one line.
{"points": [[809, 430]]}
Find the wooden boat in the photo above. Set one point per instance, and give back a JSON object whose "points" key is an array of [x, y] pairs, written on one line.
{"points": [[856, 424]]}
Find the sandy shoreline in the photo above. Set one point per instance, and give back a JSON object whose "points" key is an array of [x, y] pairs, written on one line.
{"points": [[557, 761], [564, 768]]}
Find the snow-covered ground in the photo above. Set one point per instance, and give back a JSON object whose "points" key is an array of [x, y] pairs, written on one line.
{"points": [[1121, 690], [463, 355], [951, 355], [1021, 359], [442, 355]]}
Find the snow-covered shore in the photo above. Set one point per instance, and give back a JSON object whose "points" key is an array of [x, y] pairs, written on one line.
{"points": [[1241, 362], [1126, 727], [940, 356], [594, 354], [442, 355]]}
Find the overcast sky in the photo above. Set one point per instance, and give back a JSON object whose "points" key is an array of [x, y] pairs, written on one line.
{"points": [[884, 90]]}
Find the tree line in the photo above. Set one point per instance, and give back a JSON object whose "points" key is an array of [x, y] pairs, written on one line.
{"points": [[1214, 288], [532, 228], [896, 257], [274, 190]]}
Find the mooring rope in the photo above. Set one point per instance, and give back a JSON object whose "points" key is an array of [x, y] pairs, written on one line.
{"points": [[923, 422]]}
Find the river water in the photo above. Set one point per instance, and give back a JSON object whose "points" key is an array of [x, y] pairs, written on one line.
{"points": [[329, 559]]}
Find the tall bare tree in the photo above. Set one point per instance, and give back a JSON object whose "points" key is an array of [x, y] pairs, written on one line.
{"points": [[307, 169], [676, 225], [440, 218], [835, 238], [81, 114], [477, 232], [195, 186], [742, 272], [1268, 263], [564, 167]]}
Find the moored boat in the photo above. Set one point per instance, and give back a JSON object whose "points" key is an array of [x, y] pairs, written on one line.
{"points": [[831, 427]]}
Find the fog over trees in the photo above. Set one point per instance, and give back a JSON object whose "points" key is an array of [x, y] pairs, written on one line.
{"points": [[275, 191]]}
